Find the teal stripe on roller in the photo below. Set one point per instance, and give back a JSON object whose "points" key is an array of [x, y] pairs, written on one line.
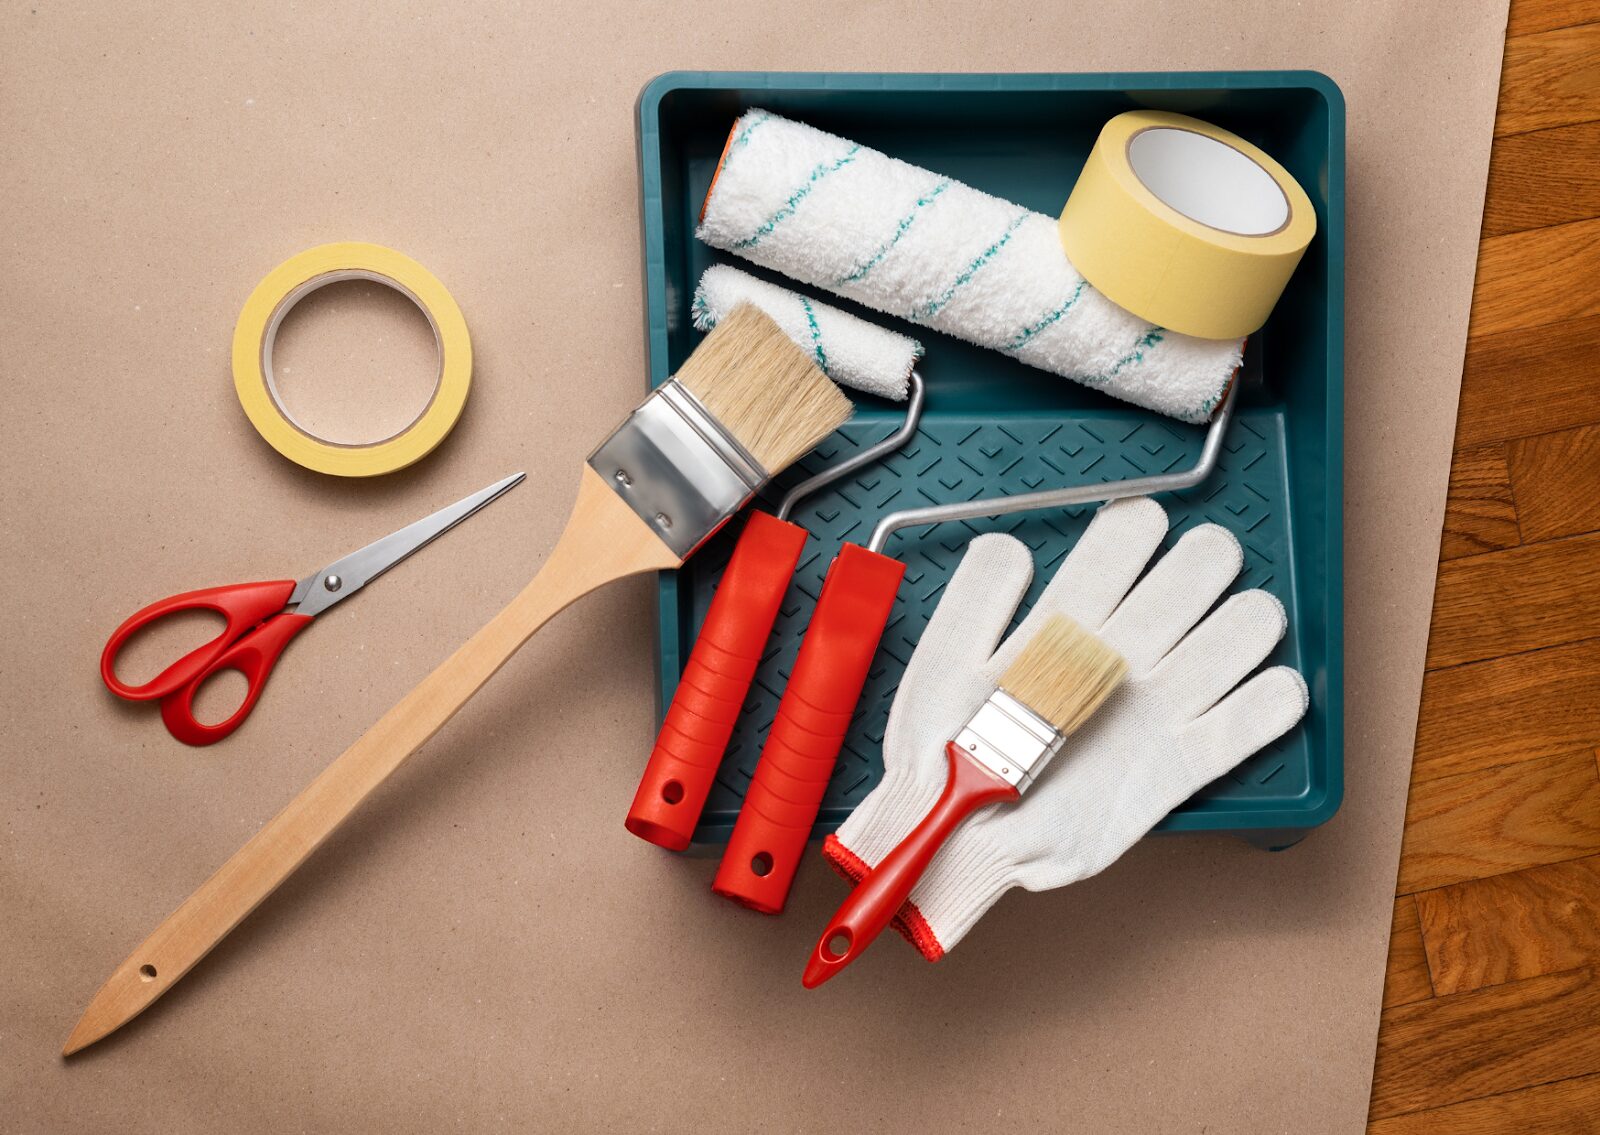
{"points": [[933, 307], [744, 135], [1055, 316], [799, 195], [899, 231], [1133, 358], [816, 335]]}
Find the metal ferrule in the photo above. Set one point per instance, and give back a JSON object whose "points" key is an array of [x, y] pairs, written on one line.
{"points": [[1010, 740], [677, 468]]}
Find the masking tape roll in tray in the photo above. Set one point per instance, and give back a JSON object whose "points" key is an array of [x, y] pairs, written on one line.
{"points": [[1186, 225], [293, 280]]}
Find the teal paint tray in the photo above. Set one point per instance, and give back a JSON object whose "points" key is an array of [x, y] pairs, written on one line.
{"points": [[993, 426]]}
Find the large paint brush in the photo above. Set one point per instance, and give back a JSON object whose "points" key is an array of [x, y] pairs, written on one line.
{"points": [[746, 405], [1059, 679]]}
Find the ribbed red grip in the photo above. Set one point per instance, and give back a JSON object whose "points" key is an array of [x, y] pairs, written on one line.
{"points": [[714, 683], [782, 801]]}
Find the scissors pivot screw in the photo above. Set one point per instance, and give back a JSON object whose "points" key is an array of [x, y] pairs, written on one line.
{"points": [[332, 582]]}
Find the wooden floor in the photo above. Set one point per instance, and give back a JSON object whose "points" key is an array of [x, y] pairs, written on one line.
{"points": [[1491, 1018]]}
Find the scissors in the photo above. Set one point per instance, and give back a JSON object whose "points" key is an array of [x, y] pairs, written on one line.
{"points": [[262, 618]]}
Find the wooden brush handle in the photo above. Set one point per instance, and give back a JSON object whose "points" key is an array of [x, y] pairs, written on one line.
{"points": [[603, 541]]}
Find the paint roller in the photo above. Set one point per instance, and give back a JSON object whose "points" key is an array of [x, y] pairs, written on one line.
{"points": [[914, 244], [711, 691]]}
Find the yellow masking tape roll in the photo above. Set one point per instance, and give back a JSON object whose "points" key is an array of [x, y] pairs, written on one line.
{"points": [[290, 282], [1186, 225]]}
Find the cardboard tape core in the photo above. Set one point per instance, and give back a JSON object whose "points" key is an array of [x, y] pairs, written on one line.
{"points": [[256, 334], [1208, 181]]}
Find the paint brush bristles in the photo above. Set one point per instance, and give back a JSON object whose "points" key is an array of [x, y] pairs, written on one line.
{"points": [[1064, 674], [763, 389]]}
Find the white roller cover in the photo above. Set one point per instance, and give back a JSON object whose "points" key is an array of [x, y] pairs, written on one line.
{"points": [[848, 350], [901, 240]]}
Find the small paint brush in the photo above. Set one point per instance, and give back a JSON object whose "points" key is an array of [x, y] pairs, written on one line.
{"points": [[744, 406], [1056, 683]]}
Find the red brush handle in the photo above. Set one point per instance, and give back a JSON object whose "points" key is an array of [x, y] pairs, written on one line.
{"points": [[683, 766], [877, 898], [781, 803]]}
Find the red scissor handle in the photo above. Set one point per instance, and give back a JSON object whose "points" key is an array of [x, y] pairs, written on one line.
{"points": [[253, 656], [706, 704], [878, 897], [244, 605], [781, 803]]}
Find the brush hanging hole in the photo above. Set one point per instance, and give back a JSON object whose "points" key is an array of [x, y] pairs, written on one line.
{"points": [[672, 792], [838, 945], [761, 864], [147, 972]]}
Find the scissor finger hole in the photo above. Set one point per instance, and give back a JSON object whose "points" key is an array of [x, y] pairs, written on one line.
{"points": [[155, 646], [219, 697]]}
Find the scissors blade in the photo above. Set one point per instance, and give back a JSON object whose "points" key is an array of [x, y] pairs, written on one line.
{"points": [[343, 578]]}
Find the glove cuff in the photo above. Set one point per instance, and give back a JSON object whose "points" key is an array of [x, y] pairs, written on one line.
{"points": [[908, 921], [963, 882]]}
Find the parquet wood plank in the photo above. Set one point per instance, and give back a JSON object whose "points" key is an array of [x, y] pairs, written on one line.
{"points": [[1531, 279], [1555, 481], [1519, 384], [1525, 924], [1480, 514], [1566, 1107], [1487, 823], [1517, 600], [1530, 16], [1549, 79], [1490, 713], [1548, 177], [1407, 978], [1448, 1049]]}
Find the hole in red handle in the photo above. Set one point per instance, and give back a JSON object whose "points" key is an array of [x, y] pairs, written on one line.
{"points": [[761, 864], [672, 792], [156, 645], [837, 945], [220, 696]]}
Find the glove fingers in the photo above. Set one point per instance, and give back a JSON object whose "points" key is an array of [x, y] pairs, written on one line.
{"points": [[1106, 561], [1169, 601], [978, 602], [1219, 653], [942, 680], [1247, 720]]}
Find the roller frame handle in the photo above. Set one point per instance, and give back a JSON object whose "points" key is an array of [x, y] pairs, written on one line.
{"points": [[781, 804], [711, 692], [885, 889]]}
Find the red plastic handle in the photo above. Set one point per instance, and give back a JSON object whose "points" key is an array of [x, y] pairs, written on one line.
{"points": [[781, 803], [875, 901], [683, 766], [253, 656], [242, 604]]}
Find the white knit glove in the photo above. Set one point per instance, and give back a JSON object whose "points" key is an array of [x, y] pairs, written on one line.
{"points": [[1165, 734]]}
